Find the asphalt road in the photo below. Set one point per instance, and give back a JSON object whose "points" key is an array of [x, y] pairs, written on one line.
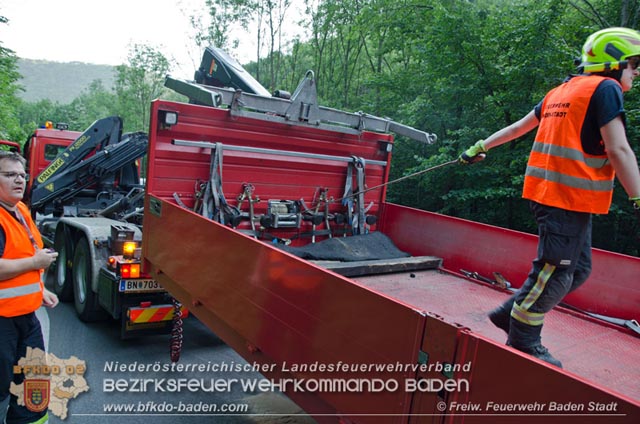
{"points": [[99, 345]]}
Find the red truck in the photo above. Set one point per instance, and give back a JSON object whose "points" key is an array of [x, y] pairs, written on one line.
{"points": [[10, 145], [268, 219], [44, 145], [86, 194]]}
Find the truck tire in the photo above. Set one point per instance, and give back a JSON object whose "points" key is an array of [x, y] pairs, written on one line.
{"points": [[86, 301], [61, 269]]}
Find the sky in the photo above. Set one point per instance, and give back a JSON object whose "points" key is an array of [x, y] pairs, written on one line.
{"points": [[101, 32]]}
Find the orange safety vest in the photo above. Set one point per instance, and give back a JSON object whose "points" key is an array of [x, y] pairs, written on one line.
{"points": [[559, 172], [21, 294]]}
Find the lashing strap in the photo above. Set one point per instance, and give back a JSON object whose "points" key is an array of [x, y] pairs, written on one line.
{"points": [[214, 204], [357, 222], [359, 226]]}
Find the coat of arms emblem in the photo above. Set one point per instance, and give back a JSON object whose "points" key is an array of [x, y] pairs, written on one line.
{"points": [[36, 394]]}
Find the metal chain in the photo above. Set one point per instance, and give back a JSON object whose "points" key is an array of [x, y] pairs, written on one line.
{"points": [[175, 348]]}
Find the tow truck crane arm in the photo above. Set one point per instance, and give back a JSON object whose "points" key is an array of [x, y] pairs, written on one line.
{"points": [[75, 168], [101, 132]]}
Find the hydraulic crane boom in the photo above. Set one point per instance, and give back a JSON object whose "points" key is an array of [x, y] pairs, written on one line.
{"points": [[78, 167], [101, 132]]}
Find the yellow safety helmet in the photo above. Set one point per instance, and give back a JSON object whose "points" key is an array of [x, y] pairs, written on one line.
{"points": [[607, 49]]}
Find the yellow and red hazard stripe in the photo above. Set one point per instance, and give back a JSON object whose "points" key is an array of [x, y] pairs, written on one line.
{"points": [[141, 315]]}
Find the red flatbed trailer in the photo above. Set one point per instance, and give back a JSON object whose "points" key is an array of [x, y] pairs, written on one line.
{"points": [[289, 313]]}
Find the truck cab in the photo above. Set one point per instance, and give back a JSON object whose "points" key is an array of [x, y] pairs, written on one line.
{"points": [[10, 145], [44, 145]]}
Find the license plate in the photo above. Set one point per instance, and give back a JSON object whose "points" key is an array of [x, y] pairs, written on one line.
{"points": [[139, 286]]}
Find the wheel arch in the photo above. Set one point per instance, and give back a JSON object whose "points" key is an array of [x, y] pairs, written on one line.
{"points": [[97, 232]]}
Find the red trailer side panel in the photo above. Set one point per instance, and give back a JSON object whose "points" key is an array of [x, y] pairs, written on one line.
{"points": [[509, 387], [612, 289], [291, 311]]}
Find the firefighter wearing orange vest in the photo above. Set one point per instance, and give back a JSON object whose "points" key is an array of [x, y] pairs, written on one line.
{"points": [[579, 148], [22, 292]]}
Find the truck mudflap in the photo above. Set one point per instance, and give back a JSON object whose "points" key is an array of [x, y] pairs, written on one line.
{"points": [[142, 305], [152, 319], [137, 315]]}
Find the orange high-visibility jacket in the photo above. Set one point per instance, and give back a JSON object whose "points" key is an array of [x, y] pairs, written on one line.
{"points": [[21, 294], [559, 172]]}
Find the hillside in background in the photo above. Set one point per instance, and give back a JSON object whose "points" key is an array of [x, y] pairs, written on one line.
{"points": [[60, 82]]}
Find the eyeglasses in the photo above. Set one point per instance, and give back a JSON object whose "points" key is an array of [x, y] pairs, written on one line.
{"points": [[15, 175], [633, 62]]}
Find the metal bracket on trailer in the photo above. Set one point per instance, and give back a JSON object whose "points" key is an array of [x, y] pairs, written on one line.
{"points": [[291, 153], [302, 109]]}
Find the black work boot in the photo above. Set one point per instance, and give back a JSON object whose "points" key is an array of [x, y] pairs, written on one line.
{"points": [[526, 338], [540, 352]]}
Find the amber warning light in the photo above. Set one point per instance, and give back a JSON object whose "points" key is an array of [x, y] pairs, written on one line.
{"points": [[128, 249]]}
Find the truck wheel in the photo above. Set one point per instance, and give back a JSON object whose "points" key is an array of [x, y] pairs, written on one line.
{"points": [[86, 301], [61, 268]]}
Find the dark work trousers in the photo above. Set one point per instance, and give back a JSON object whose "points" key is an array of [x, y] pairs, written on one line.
{"points": [[562, 265], [16, 334]]}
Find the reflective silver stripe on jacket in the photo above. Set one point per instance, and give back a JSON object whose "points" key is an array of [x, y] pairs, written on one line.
{"points": [[569, 153], [11, 292], [575, 182]]}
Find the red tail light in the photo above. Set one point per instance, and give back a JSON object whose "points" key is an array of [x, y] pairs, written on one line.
{"points": [[130, 270]]}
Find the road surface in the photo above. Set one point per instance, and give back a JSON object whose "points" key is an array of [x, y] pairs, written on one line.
{"points": [[125, 385]]}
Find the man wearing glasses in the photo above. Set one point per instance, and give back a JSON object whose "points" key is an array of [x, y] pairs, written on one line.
{"points": [[580, 146], [22, 292]]}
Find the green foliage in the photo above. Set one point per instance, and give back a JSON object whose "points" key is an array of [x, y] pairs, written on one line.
{"points": [[93, 103], [138, 83], [267, 19], [9, 123], [459, 68], [222, 15]]}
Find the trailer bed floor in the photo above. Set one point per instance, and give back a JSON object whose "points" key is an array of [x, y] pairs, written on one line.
{"points": [[593, 351]]}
